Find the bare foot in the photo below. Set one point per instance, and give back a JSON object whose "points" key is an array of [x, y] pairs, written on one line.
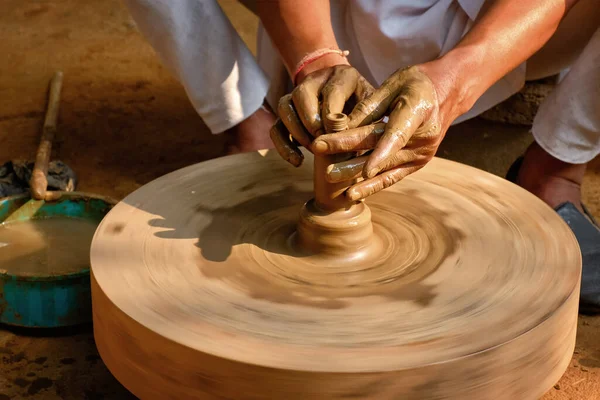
{"points": [[550, 179], [251, 134]]}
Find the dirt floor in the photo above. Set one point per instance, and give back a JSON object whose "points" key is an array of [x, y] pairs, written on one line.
{"points": [[125, 121]]}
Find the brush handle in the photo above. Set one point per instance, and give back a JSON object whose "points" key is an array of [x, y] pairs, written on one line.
{"points": [[39, 180]]}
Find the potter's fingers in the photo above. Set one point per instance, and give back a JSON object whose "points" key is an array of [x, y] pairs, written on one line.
{"points": [[295, 142], [363, 89], [291, 121], [338, 89], [306, 100], [357, 139], [284, 146], [351, 169], [374, 106], [386, 179], [346, 170], [403, 122]]}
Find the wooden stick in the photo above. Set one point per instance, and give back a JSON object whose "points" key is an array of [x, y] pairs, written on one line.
{"points": [[39, 181]]}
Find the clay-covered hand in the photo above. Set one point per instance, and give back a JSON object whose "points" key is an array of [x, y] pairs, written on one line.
{"points": [[301, 113], [400, 147]]}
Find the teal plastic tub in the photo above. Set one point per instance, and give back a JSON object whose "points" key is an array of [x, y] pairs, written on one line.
{"points": [[49, 300]]}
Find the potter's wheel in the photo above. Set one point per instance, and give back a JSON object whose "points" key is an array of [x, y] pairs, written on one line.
{"points": [[202, 288]]}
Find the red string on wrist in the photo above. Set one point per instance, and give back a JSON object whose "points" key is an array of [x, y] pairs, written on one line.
{"points": [[315, 55]]}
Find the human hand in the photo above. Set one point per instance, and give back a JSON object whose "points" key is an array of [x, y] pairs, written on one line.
{"points": [[302, 112], [399, 147]]}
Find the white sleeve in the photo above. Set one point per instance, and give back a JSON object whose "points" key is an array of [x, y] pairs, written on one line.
{"points": [[196, 41]]}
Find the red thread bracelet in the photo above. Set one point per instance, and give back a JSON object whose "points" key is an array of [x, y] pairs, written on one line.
{"points": [[315, 55]]}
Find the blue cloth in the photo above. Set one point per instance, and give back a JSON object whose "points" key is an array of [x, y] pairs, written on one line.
{"points": [[15, 176]]}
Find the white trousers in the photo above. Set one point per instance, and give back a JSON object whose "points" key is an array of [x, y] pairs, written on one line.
{"points": [[225, 84], [567, 124], [197, 43]]}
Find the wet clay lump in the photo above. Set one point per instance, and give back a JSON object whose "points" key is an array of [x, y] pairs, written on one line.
{"points": [[331, 224], [205, 292]]}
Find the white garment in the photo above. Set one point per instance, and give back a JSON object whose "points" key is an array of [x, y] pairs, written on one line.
{"points": [[394, 34], [567, 124], [196, 41], [385, 35], [226, 84]]}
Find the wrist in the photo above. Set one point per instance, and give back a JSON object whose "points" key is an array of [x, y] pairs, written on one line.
{"points": [[457, 80], [326, 61]]}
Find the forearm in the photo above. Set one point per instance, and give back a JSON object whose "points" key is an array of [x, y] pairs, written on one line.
{"points": [[505, 35], [298, 28]]}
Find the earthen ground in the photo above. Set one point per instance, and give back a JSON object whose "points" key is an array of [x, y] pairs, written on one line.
{"points": [[124, 121]]}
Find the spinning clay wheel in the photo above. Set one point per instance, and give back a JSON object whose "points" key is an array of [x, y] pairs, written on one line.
{"points": [[227, 280]]}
